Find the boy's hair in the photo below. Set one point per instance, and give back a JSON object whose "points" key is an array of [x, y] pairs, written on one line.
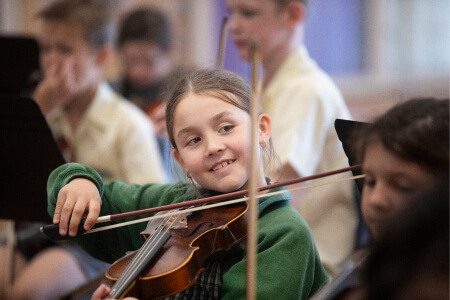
{"points": [[417, 130], [282, 3], [146, 25], [94, 16]]}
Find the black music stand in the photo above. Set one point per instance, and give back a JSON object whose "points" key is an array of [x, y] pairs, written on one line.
{"points": [[28, 155], [19, 58], [346, 131]]}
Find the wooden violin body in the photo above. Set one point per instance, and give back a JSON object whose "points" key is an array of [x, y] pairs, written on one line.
{"points": [[181, 259]]}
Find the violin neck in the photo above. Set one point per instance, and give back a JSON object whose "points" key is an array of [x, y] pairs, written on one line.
{"points": [[139, 263]]}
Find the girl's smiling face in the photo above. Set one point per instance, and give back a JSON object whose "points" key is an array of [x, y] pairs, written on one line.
{"points": [[390, 181], [213, 142]]}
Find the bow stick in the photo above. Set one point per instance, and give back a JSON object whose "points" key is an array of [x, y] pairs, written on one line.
{"points": [[52, 230], [222, 43], [252, 227], [49, 229]]}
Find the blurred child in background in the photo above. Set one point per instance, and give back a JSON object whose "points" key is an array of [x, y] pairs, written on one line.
{"points": [[303, 103]]}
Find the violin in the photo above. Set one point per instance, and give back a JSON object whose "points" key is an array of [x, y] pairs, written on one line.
{"points": [[175, 248], [175, 251]]}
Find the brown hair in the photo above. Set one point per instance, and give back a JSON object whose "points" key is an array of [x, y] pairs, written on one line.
{"points": [[283, 3], [94, 16], [146, 25], [417, 130]]}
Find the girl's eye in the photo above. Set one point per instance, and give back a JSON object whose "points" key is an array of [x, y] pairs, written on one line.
{"points": [[193, 141], [226, 128]]}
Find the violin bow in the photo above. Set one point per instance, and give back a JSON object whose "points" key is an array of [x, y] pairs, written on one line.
{"points": [[222, 43], [52, 230], [252, 225]]}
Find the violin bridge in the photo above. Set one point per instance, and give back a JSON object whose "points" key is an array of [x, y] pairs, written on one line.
{"points": [[179, 221]]}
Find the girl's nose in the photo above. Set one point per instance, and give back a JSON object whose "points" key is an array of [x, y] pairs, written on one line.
{"points": [[214, 146]]}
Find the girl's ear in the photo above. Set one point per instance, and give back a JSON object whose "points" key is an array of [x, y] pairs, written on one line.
{"points": [[178, 158], [265, 128], [296, 13]]}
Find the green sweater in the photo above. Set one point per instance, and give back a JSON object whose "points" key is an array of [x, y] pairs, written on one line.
{"points": [[288, 263]]}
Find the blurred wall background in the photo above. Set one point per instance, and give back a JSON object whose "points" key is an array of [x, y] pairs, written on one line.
{"points": [[380, 52]]}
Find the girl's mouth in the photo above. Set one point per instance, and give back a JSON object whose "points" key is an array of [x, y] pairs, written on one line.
{"points": [[222, 165]]}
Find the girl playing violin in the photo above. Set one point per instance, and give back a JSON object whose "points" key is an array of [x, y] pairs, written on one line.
{"points": [[208, 123]]}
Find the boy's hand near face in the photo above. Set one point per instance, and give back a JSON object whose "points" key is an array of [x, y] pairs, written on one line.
{"points": [[78, 198], [158, 117], [58, 86]]}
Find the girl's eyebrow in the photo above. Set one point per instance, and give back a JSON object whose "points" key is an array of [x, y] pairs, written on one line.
{"points": [[216, 118], [185, 130], [220, 116]]}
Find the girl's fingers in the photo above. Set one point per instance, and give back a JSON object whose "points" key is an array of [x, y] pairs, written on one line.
{"points": [[77, 213], [94, 212], [78, 198], [101, 292], [58, 209], [66, 213]]}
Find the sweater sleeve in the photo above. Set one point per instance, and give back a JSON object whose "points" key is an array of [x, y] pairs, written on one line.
{"points": [[117, 197], [63, 175], [288, 263]]}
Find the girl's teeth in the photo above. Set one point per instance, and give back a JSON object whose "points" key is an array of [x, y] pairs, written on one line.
{"points": [[224, 164]]}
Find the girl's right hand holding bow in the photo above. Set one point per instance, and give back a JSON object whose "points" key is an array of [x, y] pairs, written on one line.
{"points": [[79, 198]]}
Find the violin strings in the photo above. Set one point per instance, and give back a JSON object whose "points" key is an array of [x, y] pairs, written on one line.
{"points": [[142, 256], [125, 277], [146, 248], [150, 243], [135, 260], [223, 203]]}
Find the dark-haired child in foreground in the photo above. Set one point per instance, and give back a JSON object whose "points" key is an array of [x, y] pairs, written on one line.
{"points": [[403, 153]]}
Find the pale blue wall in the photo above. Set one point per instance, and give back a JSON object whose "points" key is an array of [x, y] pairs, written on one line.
{"points": [[334, 35]]}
